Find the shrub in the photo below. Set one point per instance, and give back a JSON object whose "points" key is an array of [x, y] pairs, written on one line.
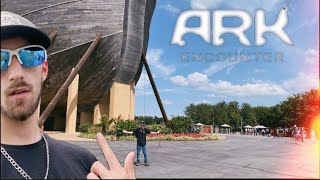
{"points": [[156, 137], [166, 130], [105, 123], [157, 127], [121, 125], [84, 127], [149, 119], [95, 129], [180, 124]]}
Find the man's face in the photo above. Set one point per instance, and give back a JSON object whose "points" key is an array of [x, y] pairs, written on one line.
{"points": [[20, 86]]}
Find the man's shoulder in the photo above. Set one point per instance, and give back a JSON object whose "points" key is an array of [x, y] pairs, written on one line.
{"points": [[67, 148], [65, 155]]}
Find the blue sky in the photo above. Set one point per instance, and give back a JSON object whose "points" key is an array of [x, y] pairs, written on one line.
{"points": [[256, 82]]}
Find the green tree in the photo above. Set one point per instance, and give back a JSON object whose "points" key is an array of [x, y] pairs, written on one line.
{"points": [[220, 113], [262, 115], [268, 116], [248, 115], [291, 110], [202, 113], [180, 124], [310, 108], [234, 115]]}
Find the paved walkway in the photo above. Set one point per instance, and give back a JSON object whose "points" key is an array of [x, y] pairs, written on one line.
{"points": [[238, 156], [66, 136]]}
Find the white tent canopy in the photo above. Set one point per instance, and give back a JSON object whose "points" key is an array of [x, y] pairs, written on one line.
{"points": [[225, 125], [247, 126], [199, 124], [260, 127]]}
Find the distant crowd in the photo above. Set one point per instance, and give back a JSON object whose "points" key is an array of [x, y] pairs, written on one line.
{"points": [[298, 133], [257, 131]]}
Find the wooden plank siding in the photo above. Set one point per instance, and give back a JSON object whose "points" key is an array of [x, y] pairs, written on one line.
{"points": [[125, 32]]}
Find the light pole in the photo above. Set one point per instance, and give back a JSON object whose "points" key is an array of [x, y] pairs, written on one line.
{"points": [[213, 122], [213, 125], [241, 125]]}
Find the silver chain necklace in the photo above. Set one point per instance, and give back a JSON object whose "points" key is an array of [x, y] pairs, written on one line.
{"points": [[18, 168]]}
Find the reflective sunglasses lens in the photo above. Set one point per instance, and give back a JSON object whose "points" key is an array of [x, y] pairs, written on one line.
{"points": [[5, 57], [32, 56]]}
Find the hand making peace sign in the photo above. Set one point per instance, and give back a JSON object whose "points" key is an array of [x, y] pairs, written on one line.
{"points": [[116, 171]]}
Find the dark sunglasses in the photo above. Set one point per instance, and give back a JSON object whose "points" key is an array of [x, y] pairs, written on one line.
{"points": [[28, 56]]}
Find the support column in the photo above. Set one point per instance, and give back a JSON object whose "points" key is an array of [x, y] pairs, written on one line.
{"points": [[122, 101], [86, 117], [99, 110], [72, 102]]}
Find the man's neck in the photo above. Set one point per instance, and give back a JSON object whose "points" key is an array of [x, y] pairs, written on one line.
{"points": [[15, 132]]}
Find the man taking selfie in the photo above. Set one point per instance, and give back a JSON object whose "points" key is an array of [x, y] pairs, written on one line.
{"points": [[26, 152]]}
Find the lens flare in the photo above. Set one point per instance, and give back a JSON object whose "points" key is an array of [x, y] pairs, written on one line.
{"points": [[316, 127], [316, 123]]}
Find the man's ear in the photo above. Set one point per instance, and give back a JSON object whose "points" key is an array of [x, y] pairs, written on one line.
{"points": [[44, 70]]}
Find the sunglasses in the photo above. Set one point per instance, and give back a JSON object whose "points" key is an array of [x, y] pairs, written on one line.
{"points": [[28, 56]]}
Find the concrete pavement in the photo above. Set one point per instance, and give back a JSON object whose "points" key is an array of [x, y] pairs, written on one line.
{"points": [[238, 156]]}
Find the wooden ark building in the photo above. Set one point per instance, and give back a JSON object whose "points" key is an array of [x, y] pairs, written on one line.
{"points": [[106, 82]]}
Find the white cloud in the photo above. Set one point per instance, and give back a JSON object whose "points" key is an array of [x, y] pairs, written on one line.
{"points": [[154, 59], [216, 96], [219, 66], [302, 82], [205, 4], [201, 82], [249, 5], [172, 10], [143, 81], [179, 80], [202, 102], [197, 79], [229, 63], [167, 102], [312, 57]]}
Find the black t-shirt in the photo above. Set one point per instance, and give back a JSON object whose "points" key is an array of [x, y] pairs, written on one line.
{"points": [[67, 161], [141, 135]]}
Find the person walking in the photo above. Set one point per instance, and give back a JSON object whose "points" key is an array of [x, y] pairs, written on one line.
{"points": [[303, 134], [141, 135], [296, 133]]}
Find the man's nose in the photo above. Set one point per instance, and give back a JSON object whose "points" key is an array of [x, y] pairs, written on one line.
{"points": [[15, 69]]}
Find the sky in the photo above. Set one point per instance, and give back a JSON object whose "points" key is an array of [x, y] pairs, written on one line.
{"points": [[182, 77]]}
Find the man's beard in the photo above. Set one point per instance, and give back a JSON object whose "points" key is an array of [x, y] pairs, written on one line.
{"points": [[21, 110]]}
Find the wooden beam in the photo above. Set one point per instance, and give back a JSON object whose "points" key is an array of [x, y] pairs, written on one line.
{"points": [[68, 81], [163, 112]]}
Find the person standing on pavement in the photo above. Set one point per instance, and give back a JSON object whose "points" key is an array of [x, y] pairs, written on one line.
{"points": [[295, 133], [141, 135]]}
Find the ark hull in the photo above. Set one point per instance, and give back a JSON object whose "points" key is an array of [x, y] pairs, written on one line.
{"points": [[124, 25]]}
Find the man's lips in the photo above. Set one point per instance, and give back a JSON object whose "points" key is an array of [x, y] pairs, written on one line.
{"points": [[18, 91]]}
